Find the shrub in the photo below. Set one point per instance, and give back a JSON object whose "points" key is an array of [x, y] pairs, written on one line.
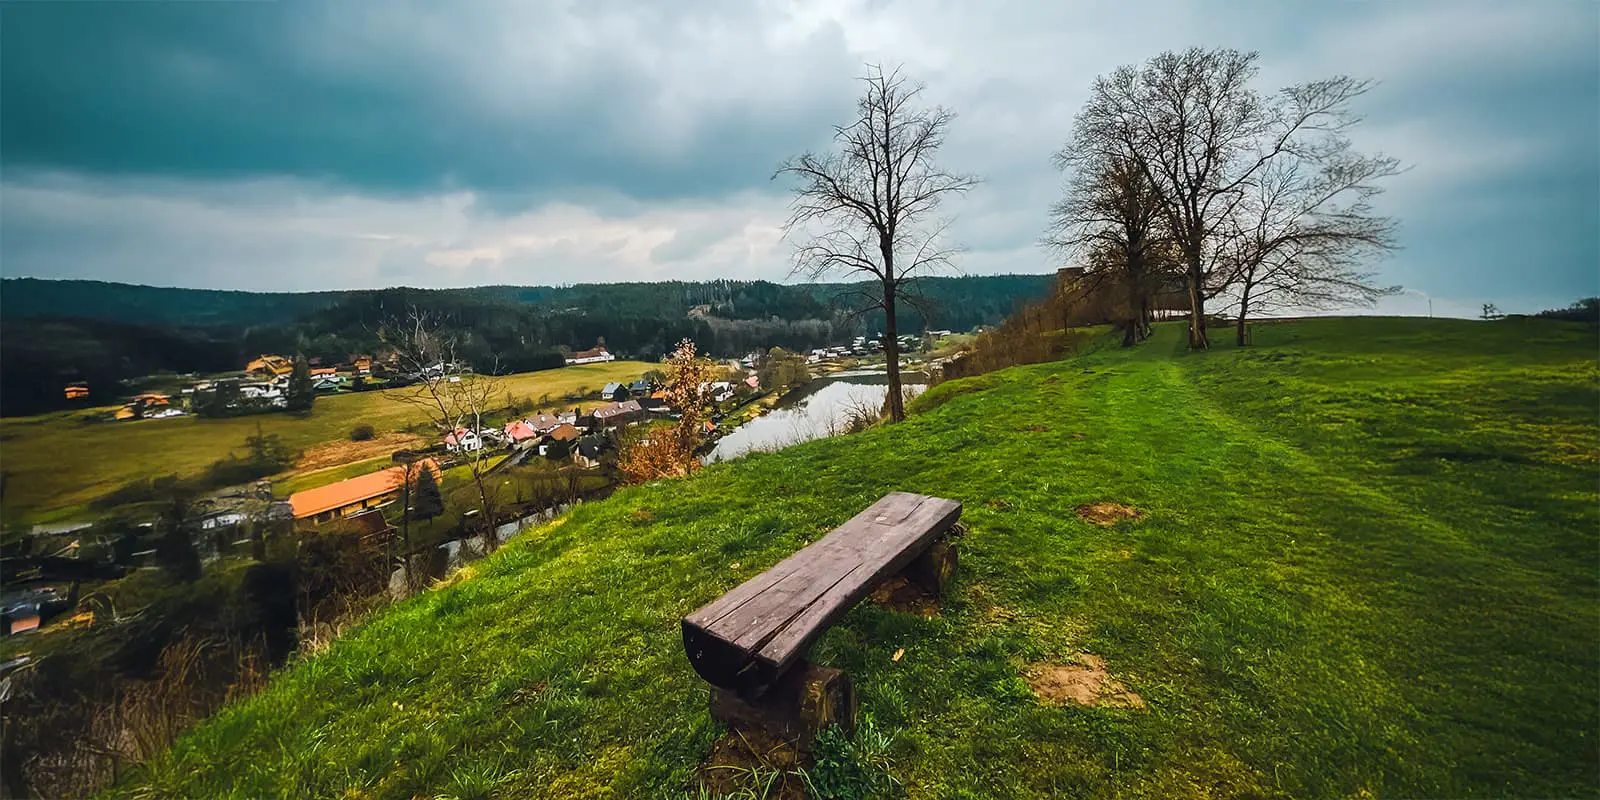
{"points": [[138, 490], [232, 470], [362, 433]]}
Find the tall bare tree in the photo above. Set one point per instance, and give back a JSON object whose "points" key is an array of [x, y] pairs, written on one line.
{"points": [[451, 401], [868, 207], [1305, 229], [1110, 221], [1197, 130]]}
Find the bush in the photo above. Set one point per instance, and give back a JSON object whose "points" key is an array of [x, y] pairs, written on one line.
{"points": [[232, 470], [362, 433], [139, 490]]}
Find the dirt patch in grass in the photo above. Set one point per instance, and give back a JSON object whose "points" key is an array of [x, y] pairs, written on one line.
{"points": [[526, 694], [751, 763], [1086, 683], [1107, 514], [343, 451], [899, 594], [642, 516]]}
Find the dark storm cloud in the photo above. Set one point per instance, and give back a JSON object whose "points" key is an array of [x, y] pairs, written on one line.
{"points": [[400, 98]]}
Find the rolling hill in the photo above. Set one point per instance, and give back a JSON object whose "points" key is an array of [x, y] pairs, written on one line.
{"points": [[1363, 566]]}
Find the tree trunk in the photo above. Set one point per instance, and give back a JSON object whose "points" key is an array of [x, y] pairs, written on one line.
{"points": [[1130, 303], [405, 512], [1244, 306], [1197, 307], [891, 351], [487, 510]]}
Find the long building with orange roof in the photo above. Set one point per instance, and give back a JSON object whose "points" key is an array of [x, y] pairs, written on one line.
{"points": [[352, 496]]}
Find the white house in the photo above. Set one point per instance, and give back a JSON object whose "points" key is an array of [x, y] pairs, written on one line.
{"points": [[596, 355], [719, 390], [251, 391], [463, 441]]}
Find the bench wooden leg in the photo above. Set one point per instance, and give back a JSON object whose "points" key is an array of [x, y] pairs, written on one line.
{"points": [[932, 570], [799, 706]]}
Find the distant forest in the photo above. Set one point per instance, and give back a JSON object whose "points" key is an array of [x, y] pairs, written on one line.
{"points": [[56, 332]]}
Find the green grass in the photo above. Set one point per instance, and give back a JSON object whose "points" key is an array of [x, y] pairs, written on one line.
{"points": [[322, 477], [1366, 568], [57, 462]]}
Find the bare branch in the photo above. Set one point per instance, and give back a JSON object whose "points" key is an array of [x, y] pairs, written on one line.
{"points": [[1207, 144], [868, 207]]}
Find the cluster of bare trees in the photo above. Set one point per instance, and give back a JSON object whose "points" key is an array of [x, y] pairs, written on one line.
{"points": [[1182, 173], [1182, 177]]}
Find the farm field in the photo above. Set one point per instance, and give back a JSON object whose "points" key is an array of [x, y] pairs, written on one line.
{"points": [[55, 463], [1362, 566]]}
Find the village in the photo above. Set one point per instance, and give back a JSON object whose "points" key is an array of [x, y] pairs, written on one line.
{"points": [[554, 456], [263, 384]]}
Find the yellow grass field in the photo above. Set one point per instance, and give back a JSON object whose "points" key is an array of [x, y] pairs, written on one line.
{"points": [[54, 463]]}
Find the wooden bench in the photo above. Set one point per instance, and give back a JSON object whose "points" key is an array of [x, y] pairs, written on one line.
{"points": [[749, 644]]}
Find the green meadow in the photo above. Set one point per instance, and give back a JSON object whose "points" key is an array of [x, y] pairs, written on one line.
{"points": [[1365, 566]]}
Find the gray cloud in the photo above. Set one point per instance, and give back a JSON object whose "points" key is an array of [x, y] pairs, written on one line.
{"points": [[292, 145]]}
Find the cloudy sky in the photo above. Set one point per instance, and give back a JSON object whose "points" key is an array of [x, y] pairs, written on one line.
{"points": [[294, 145]]}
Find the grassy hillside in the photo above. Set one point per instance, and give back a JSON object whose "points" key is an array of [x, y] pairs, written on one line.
{"points": [[1365, 568], [57, 462]]}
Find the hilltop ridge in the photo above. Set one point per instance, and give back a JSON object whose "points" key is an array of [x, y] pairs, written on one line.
{"points": [[1416, 621]]}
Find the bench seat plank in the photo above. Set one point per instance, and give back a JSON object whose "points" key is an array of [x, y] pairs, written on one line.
{"points": [[748, 637]]}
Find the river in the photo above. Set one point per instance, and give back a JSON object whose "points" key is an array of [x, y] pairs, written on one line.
{"points": [[823, 408]]}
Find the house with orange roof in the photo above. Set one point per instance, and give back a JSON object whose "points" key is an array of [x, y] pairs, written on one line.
{"points": [[271, 366], [141, 405], [355, 495]]}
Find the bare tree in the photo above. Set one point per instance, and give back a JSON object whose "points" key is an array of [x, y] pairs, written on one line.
{"points": [[1110, 221], [1304, 229], [452, 402], [1193, 125], [868, 207]]}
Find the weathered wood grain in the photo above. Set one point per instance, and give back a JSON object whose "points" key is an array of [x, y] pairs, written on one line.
{"points": [[744, 640]]}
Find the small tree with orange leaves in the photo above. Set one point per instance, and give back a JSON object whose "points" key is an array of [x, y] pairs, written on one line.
{"points": [[669, 452]]}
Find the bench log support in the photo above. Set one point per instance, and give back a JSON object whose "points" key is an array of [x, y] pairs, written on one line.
{"points": [[806, 700], [933, 569]]}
